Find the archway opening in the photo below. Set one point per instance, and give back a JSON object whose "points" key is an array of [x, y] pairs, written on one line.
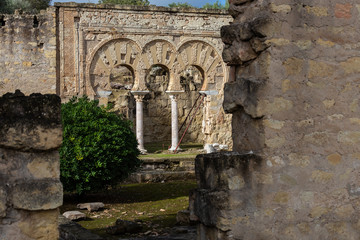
{"points": [[121, 81], [191, 80], [157, 111], [121, 77]]}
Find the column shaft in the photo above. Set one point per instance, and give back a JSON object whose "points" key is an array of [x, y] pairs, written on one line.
{"points": [[140, 122], [174, 123]]}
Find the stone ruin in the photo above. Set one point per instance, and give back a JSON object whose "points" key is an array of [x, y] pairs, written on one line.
{"points": [[30, 187], [143, 60], [293, 92]]}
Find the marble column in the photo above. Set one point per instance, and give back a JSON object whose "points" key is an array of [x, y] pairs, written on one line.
{"points": [[140, 120], [174, 121]]}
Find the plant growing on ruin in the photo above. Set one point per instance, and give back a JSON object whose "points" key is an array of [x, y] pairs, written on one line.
{"points": [[31, 6], [126, 2], [216, 5], [180, 5], [99, 147]]}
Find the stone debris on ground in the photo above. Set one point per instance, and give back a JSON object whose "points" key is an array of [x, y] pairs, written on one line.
{"points": [[94, 206], [175, 233], [70, 230], [123, 226], [74, 215], [216, 147], [183, 217]]}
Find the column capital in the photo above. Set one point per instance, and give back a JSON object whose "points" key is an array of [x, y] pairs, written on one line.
{"points": [[139, 98]]}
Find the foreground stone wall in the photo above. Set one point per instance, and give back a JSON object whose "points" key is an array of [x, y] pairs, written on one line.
{"points": [[28, 52], [293, 92], [30, 188]]}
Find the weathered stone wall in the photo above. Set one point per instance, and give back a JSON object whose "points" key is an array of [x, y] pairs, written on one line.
{"points": [[293, 92], [30, 188], [107, 51], [28, 52]]}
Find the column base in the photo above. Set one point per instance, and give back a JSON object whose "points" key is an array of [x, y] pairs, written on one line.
{"points": [[172, 149], [142, 151]]}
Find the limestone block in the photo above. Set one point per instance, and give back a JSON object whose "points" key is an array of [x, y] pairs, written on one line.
{"points": [[209, 205], [91, 206], [45, 165], [238, 52], [37, 194], [3, 199], [74, 215], [224, 170], [30, 122], [40, 225], [218, 208], [236, 32]]}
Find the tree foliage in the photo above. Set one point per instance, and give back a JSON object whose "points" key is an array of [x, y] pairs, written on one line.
{"points": [[180, 5], [31, 6], [126, 2], [99, 147], [216, 5]]}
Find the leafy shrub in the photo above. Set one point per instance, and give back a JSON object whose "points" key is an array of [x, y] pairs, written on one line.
{"points": [[99, 148]]}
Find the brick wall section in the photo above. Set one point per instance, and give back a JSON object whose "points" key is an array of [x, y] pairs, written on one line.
{"points": [[28, 52], [294, 96], [30, 187]]}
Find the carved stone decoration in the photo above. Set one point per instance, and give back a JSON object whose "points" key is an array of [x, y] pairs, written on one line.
{"points": [[113, 66], [203, 56], [159, 52], [163, 53]]}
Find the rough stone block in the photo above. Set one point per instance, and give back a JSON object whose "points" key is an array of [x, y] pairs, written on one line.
{"points": [[37, 195], [225, 171], [91, 206], [74, 215], [3, 196], [30, 123]]}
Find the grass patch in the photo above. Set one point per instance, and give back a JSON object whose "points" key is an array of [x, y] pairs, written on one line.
{"points": [[156, 204], [172, 156], [157, 147]]}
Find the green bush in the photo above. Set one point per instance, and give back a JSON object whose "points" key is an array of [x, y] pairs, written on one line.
{"points": [[99, 148]]}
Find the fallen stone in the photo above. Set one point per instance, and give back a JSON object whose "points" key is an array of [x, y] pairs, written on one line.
{"points": [[209, 148], [122, 226], [95, 206], [74, 215], [183, 217], [70, 230]]}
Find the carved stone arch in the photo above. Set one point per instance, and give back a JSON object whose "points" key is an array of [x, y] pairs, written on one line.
{"points": [[162, 52], [107, 58], [204, 56], [159, 51]]}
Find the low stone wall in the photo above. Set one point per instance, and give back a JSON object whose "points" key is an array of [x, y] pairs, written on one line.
{"points": [[30, 189], [226, 194]]}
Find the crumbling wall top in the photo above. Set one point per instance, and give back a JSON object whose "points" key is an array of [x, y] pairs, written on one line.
{"points": [[152, 8]]}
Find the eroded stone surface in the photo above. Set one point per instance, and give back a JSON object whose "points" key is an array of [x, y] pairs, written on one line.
{"points": [[296, 105], [74, 215], [37, 194], [95, 206], [30, 189]]}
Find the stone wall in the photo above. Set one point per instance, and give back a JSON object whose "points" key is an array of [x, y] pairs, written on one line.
{"points": [[294, 96], [28, 52], [109, 51], [30, 187]]}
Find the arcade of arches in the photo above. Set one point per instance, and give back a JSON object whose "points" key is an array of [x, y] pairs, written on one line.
{"points": [[153, 64]]}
